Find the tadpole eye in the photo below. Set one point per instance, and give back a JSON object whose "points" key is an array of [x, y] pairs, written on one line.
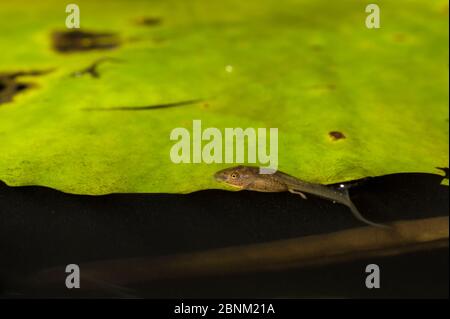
{"points": [[234, 175]]}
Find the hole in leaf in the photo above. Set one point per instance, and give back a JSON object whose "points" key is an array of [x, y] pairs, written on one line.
{"points": [[336, 135]]}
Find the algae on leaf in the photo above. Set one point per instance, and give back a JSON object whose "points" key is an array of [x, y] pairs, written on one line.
{"points": [[349, 102]]}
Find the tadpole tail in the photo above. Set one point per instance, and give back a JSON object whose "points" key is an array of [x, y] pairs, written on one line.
{"points": [[348, 202]]}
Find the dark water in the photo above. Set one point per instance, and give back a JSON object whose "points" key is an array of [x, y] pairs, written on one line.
{"points": [[41, 228]]}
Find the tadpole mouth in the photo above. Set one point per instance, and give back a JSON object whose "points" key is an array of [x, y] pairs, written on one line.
{"points": [[219, 176]]}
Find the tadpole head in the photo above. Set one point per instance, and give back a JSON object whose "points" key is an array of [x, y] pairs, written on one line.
{"points": [[239, 176]]}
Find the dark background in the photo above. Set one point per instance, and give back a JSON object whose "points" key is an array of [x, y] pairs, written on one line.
{"points": [[41, 228]]}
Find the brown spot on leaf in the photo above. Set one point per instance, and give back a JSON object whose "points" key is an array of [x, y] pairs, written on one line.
{"points": [[149, 21], [399, 37], [317, 47], [93, 68], [10, 85], [336, 135], [145, 108], [75, 41], [444, 8]]}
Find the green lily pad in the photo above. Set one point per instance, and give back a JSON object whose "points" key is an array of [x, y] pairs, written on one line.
{"points": [[349, 101]]}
